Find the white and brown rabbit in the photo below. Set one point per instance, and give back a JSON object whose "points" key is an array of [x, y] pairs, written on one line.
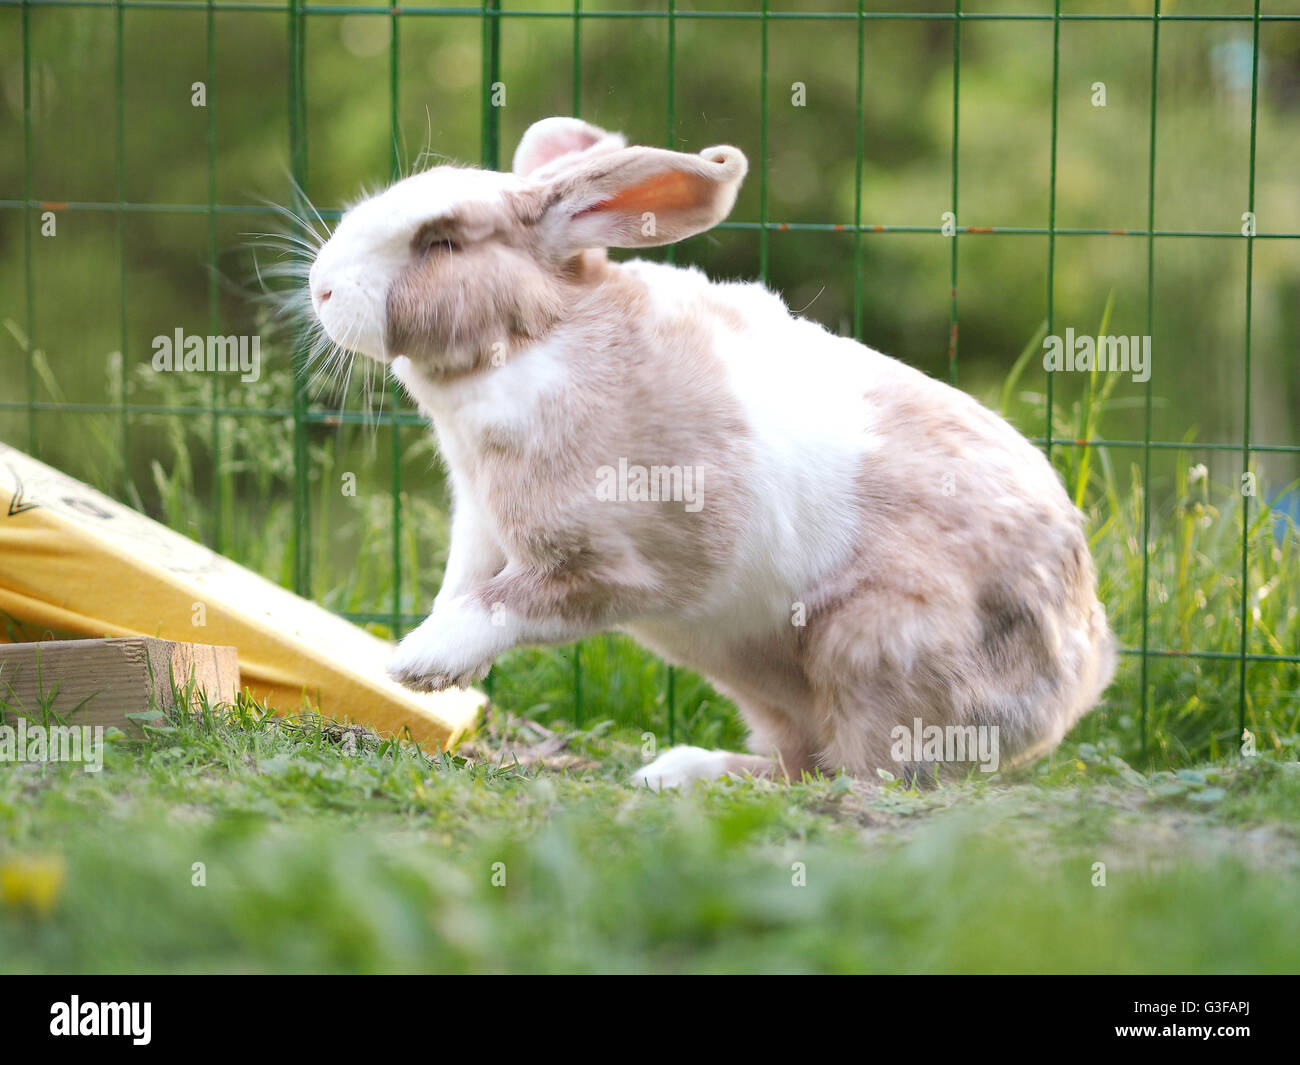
{"points": [[857, 554]]}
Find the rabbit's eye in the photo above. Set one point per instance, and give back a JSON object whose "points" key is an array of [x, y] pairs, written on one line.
{"points": [[432, 241]]}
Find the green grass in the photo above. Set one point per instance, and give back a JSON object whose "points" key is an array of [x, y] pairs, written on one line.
{"points": [[326, 849]]}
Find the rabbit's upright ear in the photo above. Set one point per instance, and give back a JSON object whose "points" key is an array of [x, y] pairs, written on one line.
{"points": [[639, 197], [559, 140]]}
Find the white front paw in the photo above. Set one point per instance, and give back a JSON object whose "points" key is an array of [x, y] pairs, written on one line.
{"points": [[425, 673], [453, 647], [681, 765]]}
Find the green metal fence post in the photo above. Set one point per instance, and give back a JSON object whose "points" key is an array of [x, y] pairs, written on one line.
{"points": [[120, 73], [1051, 212], [394, 392], [1146, 438], [491, 132], [1245, 430], [213, 303], [764, 236], [28, 221], [956, 141], [298, 165], [861, 151]]}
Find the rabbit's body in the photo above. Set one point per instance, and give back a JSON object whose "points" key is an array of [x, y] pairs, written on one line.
{"points": [[875, 547], [850, 548]]}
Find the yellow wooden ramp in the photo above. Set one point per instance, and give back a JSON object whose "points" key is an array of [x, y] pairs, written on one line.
{"points": [[74, 562]]}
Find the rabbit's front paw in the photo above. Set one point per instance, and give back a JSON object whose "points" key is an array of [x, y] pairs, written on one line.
{"points": [[441, 653], [422, 677]]}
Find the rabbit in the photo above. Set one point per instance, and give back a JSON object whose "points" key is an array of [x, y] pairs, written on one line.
{"points": [[855, 553]]}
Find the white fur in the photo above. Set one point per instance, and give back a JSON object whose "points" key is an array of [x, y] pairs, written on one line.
{"points": [[812, 429], [455, 645], [681, 765], [503, 402]]}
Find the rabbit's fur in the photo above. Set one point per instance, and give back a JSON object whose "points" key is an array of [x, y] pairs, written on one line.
{"points": [[871, 548]]}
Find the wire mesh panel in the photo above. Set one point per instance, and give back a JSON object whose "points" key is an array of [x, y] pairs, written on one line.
{"points": [[660, 26]]}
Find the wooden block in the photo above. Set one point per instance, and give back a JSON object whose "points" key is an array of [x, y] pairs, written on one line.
{"points": [[100, 682]]}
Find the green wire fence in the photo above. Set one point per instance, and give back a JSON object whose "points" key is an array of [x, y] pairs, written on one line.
{"points": [[490, 16]]}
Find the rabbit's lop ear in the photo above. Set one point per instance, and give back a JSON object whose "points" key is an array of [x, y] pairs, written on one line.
{"points": [[559, 140], [640, 197]]}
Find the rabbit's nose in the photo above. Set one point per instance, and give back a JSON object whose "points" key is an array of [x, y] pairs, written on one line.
{"points": [[318, 287]]}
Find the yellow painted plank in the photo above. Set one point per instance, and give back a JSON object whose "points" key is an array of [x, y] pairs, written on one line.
{"points": [[75, 562]]}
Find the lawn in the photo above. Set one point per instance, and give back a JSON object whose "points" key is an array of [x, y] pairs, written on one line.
{"points": [[244, 842]]}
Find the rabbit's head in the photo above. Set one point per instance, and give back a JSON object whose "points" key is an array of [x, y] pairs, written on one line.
{"points": [[455, 268]]}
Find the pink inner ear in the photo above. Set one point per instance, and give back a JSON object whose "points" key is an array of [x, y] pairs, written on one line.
{"points": [[554, 146], [669, 191]]}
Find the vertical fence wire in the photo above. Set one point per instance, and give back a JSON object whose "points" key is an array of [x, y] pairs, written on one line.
{"points": [[489, 146], [670, 142], [1245, 429], [577, 113], [214, 310], [1147, 396], [119, 73], [213, 291], [489, 133], [1051, 212], [764, 237], [577, 58], [29, 192], [298, 168], [394, 392], [956, 217], [860, 148]]}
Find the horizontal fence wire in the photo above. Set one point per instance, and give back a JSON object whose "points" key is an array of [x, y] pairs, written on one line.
{"points": [[489, 12], [671, 13], [333, 214]]}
